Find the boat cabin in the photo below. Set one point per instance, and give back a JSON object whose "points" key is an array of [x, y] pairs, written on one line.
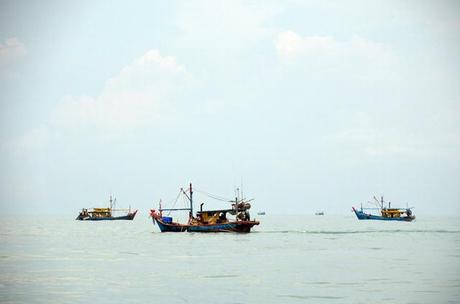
{"points": [[391, 213], [212, 216], [395, 213], [101, 212]]}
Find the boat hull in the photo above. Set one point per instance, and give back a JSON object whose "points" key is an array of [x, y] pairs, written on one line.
{"points": [[237, 226], [366, 216], [128, 217], [240, 227], [169, 227]]}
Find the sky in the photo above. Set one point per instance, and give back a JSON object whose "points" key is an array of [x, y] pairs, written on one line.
{"points": [[310, 105]]}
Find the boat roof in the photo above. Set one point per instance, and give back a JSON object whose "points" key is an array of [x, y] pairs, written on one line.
{"points": [[375, 208], [214, 211], [100, 210]]}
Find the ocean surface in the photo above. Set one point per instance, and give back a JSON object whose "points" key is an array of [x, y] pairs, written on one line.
{"points": [[287, 259]]}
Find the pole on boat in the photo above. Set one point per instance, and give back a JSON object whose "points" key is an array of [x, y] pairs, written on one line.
{"points": [[242, 196], [191, 201]]}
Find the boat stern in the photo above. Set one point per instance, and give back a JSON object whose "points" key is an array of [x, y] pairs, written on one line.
{"points": [[131, 215]]}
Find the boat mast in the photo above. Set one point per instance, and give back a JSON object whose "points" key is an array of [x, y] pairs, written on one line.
{"points": [[242, 196], [191, 201], [190, 198]]}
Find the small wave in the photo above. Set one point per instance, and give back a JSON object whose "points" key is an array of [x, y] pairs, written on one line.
{"points": [[359, 231], [222, 276], [427, 291], [320, 283], [127, 252], [301, 297]]}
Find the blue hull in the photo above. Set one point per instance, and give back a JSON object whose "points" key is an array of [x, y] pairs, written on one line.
{"points": [[241, 226], [228, 227], [128, 217], [365, 216], [173, 227], [124, 217]]}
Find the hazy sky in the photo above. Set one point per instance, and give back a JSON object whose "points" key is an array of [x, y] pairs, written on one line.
{"points": [[315, 105]]}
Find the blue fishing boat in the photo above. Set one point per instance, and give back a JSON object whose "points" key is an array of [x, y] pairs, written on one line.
{"points": [[208, 220], [166, 224], [106, 214], [385, 213]]}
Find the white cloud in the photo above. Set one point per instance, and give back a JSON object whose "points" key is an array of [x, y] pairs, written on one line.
{"points": [[367, 135], [35, 139], [230, 26], [291, 45], [11, 50], [29, 145], [141, 93]]}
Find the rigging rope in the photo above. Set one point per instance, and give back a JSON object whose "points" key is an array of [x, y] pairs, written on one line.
{"points": [[175, 201], [216, 197]]}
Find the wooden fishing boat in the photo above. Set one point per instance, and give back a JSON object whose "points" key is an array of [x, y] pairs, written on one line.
{"points": [[165, 223], [105, 214], [384, 213], [209, 220]]}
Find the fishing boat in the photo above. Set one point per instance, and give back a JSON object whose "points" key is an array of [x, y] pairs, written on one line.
{"points": [[106, 214], [385, 213], [319, 213], [206, 220], [261, 213]]}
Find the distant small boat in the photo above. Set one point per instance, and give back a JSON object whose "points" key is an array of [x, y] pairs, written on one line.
{"points": [[105, 214], [261, 213], [385, 213], [209, 220], [319, 213]]}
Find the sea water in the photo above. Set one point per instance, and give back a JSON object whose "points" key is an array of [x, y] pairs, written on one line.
{"points": [[287, 259]]}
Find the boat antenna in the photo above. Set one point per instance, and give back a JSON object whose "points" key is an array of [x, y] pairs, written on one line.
{"points": [[110, 201]]}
